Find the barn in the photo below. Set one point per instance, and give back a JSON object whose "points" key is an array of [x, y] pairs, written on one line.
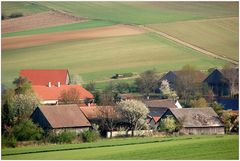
{"points": [[196, 120], [60, 117]]}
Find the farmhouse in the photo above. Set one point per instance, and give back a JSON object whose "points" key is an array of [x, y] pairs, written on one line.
{"points": [[59, 117], [174, 76], [51, 94], [46, 76], [196, 120]]}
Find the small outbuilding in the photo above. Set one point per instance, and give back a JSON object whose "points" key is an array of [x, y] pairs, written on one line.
{"points": [[197, 120], [60, 117]]}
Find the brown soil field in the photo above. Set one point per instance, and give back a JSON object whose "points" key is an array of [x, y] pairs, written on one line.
{"points": [[39, 20], [41, 39]]}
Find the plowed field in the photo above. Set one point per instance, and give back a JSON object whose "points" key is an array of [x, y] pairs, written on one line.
{"points": [[41, 39], [39, 20]]}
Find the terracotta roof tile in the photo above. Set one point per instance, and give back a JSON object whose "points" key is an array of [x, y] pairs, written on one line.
{"points": [[42, 77], [54, 92]]}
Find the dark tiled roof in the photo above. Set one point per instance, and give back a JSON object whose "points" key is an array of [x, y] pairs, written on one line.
{"points": [[160, 103], [197, 117], [65, 116], [215, 77], [229, 104]]}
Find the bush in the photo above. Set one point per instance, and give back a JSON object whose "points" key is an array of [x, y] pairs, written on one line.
{"points": [[63, 137], [27, 130], [168, 124], [9, 141], [127, 74], [90, 136], [15, 15]]}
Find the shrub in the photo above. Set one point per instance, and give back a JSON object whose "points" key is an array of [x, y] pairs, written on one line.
{"points": [[15, 15], [127, 74], [168, 124], [9, 141], [27, 130], [63, 137], [89, 136]]}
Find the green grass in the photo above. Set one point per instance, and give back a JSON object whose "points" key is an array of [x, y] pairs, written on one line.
{"points": [[184, 147], [99, 59], [26, 8], [146, 12], [67, 27], [219, 36]]}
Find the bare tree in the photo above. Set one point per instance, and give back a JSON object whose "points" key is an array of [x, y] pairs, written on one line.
{"points": [[71, 96], [133, 111], [109, 118], [231, 73], [147, 82]]}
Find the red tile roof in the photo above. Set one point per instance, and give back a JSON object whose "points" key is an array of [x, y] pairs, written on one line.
{"points": [[42, 77], [64, 116], [54, 92], [156, 119]]}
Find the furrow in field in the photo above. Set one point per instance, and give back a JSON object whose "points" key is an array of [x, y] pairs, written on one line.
{"points": [[42, 39]]}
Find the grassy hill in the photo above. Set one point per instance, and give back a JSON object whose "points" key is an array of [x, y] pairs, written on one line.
{"points": [[219, 36], [26, 8], [184, 147], [144, 12], [99, 59]]}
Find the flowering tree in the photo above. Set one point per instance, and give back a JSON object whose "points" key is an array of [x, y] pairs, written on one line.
{"points": [[133, 111], [166, 90], [24, 105]]}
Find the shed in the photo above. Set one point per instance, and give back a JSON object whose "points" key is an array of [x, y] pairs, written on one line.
{"points": [[60, 117], [197, 120]]}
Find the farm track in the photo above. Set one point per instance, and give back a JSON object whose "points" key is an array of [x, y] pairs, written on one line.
{"points": [[188, 44]]}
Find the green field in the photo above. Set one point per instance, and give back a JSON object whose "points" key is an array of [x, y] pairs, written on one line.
{"points": [[183, 147], [67, 27], [99, 59], [219, 36], [26, 8], [144, 12]]}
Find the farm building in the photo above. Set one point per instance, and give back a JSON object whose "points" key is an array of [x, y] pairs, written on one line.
{"points": [[229, 103], [218, 83], [46, 76], [60, 117], [157, 108], [51, 94], [196, 120], [173, 77]]}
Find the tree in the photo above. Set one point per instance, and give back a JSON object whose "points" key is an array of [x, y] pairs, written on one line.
{"points": [[201, 102], [218, 108], [109, 118], [133, 111], [147, 82], [166, 90], [23, 86], [187, 83], [76, 79], [122, 87], [70, 96], [91, 86], [106, 98], [231, 73], [24, 105], [168, 124], [7, 109]]}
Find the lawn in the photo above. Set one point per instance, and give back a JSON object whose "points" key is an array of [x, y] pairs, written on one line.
{"points": [[219, 36], [67, 27], [26, 8], [182, 147], [145, 12], [99, 59]]}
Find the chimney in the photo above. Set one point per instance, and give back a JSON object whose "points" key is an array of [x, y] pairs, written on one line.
{"points": [[58, 84], [49, 84], [89, 104]]}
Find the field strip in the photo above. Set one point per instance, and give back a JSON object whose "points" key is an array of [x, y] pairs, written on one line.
{"points": [[83, 34], [188, 44], [99, 146]]}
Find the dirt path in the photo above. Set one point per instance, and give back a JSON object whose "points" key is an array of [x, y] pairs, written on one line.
{"points": [[188, 45]]}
